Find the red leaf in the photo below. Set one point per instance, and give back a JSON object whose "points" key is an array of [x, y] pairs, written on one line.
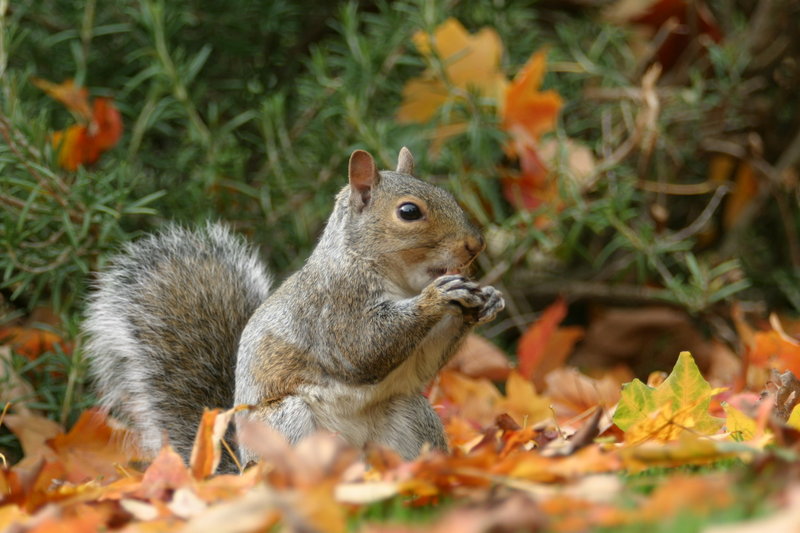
{"points": [[106, 124], [532, 346]]}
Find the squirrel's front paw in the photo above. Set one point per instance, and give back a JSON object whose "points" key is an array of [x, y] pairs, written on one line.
{"points": [[478, 304], [493, 304], [458, 290]]}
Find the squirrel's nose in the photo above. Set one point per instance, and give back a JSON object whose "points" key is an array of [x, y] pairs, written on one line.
{"points": [[474, 244]]}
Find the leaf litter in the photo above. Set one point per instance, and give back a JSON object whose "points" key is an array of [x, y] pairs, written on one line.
{"points": [[523, 456]]}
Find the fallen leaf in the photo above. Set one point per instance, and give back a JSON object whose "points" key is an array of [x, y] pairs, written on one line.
{"points": [[618, 336], [527, 113], [661, 414], [32, 342], [785, 388], [570, 389], [523, 403], [682, 493], [207, 449], [92, 448], [738, 424], [476, 400], [166, 473], [33, 432], [479, 358], [534, 346]]}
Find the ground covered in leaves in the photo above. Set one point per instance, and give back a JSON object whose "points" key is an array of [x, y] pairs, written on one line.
{"points": [[576, 453]]}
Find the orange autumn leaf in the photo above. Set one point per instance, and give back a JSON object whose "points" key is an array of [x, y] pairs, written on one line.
{"points": [[32, 342], [745, 185], [528, 112], [745, 190], [545, 346], [106, 125], [775, 349], [207, 449], [479, 358], [98, 130], [92, 447], [477, 400], [166, 473]]}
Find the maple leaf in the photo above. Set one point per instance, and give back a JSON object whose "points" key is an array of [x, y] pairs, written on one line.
{"points": [[738, 424], [98, 130], [544, 346], [680, 402], [474, 399], [470, 62], [92, 447], [527, 113], [523, 403]]}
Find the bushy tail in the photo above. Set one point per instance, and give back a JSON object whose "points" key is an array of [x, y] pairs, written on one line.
{"points": [[163, 328]]}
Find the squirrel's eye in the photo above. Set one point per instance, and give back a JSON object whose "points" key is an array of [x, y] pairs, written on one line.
{"points": [[409, 211]]}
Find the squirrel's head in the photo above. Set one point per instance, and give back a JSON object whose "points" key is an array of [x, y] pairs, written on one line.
{"points": [[413, 231]]}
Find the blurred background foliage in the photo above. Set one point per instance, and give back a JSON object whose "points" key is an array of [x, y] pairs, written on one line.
{"points": [[247, 111]]}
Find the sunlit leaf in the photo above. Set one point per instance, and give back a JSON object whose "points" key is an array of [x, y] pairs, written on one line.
{"points": [[681, 402]]}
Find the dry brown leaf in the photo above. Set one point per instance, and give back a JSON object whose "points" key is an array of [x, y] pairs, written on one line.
{"points": [[576, 393], [479, 358], [33, 432], [644, 338]]}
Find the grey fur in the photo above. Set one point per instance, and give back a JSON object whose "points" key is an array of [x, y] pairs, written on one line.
{"points": [[163, 328]]}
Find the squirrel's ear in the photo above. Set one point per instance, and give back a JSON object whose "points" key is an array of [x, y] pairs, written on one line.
{"points": [[405, 161], [363, 176]]}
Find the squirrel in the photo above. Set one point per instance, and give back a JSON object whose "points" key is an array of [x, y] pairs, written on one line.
{"points": [[185, 319]]}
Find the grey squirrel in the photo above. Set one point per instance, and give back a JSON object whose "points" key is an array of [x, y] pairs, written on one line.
{"points": [[185, 320]]}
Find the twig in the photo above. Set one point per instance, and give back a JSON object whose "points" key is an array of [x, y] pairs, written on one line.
{"points": [[590, 290], [700, 222], [679, 189]]}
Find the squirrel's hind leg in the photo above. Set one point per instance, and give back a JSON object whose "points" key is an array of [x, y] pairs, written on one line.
{"points": [[292, 417], [409, 422]]}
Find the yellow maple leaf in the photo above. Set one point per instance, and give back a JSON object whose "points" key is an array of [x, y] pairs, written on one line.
{"points": [[679, 403], [738, 424], [523, 403], [469, 63]]}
